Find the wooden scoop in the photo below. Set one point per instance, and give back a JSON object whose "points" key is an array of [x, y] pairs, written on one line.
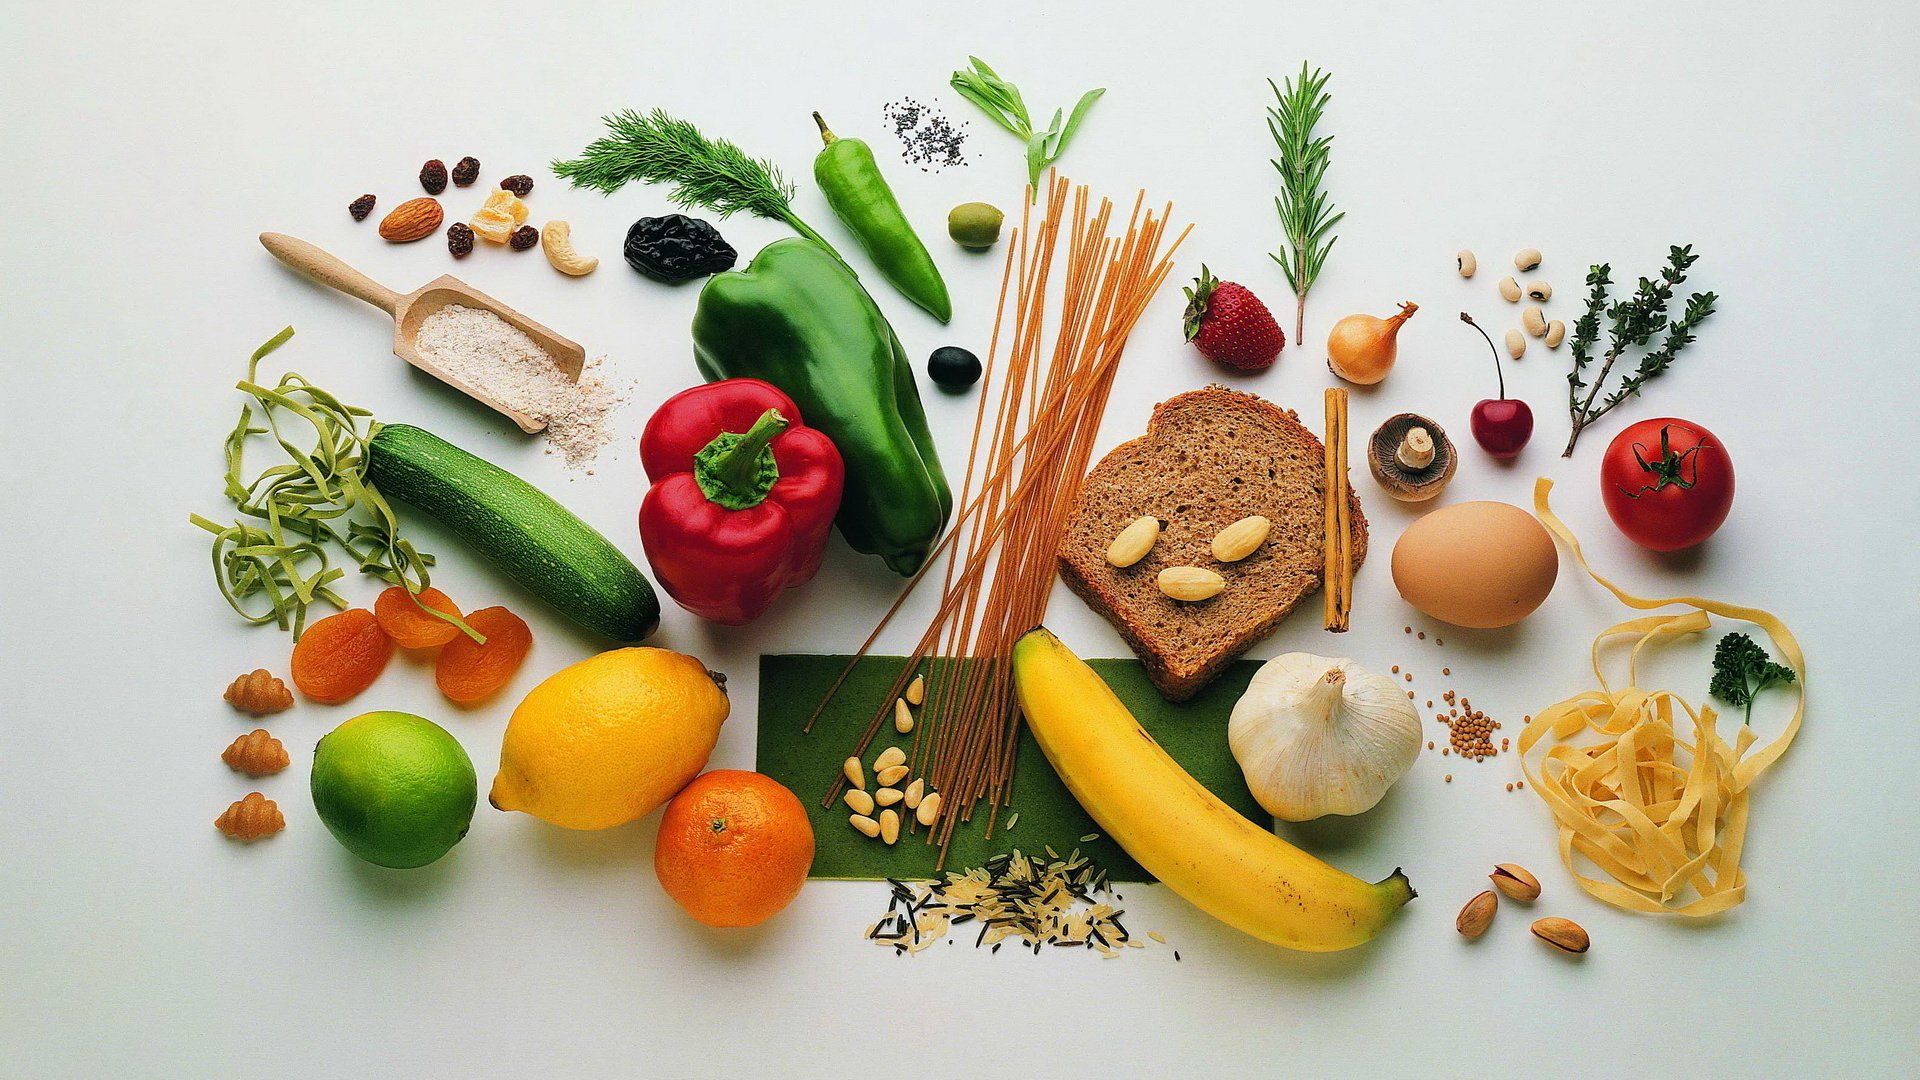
{"points": [[411, 309]]}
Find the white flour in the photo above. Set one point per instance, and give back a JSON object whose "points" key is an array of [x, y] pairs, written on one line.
{"points": [[485, 351]]}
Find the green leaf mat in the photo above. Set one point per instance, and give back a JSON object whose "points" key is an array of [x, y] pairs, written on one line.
{"points": [[1195, 733]]}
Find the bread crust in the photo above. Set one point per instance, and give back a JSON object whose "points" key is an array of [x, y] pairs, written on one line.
{"points": [[1208, 458]]}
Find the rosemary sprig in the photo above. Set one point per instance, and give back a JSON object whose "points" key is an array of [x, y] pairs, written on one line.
{"points": [[1002, 103], [1305, 215], [710, 174], [1632, 323]]}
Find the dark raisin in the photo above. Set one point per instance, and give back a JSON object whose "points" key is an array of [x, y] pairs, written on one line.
{"points": [[953, 368], [523, 238], [361, 207], [519, 184], [466, 171], [677, 248], [433, 176], [460, 239]]}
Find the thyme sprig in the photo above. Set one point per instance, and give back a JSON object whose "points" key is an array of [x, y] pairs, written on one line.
{"points": [[1306, 217], [709, 174], [1632, 323]]}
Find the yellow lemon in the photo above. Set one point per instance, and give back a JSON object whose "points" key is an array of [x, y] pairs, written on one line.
{"points": [[608, 740]]}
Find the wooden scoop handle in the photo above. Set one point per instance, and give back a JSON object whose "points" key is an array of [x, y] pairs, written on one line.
{"points": [[329, 270]]}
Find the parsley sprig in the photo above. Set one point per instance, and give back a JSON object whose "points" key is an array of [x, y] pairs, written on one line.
{"points": [[1742, 669], [1632, 323]]}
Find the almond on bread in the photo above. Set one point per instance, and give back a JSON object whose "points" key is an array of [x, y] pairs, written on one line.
{"points": [[1210, 458]]}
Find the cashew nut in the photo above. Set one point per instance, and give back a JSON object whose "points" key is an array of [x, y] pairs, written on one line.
{"points": [[556, 239]]}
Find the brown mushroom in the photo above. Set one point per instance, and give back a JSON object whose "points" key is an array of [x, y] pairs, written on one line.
{"points": [[1411, 457]]}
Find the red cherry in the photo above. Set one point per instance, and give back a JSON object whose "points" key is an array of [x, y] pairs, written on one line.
{"points": [[1502, 426]]}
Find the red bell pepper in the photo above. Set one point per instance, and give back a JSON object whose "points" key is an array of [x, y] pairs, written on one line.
{"points": [[742, 499]]}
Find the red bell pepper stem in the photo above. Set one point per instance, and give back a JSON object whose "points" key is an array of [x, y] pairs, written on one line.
{"points": [[735, 470]]}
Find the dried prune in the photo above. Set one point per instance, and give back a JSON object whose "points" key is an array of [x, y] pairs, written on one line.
{"points": [[677, 248]]}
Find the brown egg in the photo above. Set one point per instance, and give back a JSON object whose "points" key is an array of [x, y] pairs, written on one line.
{"points": [[1476, 564]]}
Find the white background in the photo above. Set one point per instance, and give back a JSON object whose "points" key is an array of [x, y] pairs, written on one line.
{"points": [[146, 145]]}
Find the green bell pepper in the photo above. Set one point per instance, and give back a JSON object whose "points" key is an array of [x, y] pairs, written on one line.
{"points": [[798, 318]]}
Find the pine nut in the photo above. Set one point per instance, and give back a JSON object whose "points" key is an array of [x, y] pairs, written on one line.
{"points": [[858, 801], [888, 758], [892, 775], [855, 775], [902, 716], [914, 792], [917, 690], [865, 824], [1509, 290], [887, 796], [929, 809], [1466, 262], [890, 826]]}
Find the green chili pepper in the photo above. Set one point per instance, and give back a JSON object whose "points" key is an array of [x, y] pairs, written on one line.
{"points": [[796, 317], [861, 199]]}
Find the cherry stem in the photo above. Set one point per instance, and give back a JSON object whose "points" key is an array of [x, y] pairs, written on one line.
{"points": [[1498, 373]]}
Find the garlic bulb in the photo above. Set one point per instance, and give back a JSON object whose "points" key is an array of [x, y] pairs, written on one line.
{"points": [[1318, 735]]}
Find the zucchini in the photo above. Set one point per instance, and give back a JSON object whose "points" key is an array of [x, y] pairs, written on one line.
{"points": [[538, 542]]}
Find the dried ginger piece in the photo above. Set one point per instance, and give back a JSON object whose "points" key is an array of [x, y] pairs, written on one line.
{"points": [[256, 753], [258, 693], [252, 818]]}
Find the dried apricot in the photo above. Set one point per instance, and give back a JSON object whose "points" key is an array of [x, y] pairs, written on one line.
{"points": [[408, 626], [341, 655], [469, 673]]}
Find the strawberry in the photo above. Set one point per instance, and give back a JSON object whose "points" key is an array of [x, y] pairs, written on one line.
{"points": [[1229, 324]]}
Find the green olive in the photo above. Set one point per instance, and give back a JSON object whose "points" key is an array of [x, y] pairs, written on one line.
{"points": [[975, 225]]}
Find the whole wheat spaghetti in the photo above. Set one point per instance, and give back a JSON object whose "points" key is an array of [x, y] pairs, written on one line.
{"points": [[1022, 478]]}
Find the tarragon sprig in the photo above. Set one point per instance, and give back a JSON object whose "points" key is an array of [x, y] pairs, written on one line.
{"points": [[1002, 103], [1306, 217], [1632, 323]]}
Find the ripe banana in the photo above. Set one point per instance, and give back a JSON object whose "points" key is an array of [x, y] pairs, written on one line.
{"points": [[1227, 866]]}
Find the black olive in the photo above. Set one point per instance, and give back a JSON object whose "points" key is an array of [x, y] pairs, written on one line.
{"points": [[677, 248], [953, 368]]}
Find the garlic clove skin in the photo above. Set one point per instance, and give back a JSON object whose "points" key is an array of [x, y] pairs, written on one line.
{"points": [[1317, 735]]}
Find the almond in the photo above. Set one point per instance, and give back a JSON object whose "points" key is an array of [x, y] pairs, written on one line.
{"points": [[1477, 915], [415, 219], [1134, 542], [1241, 539], [1191, 583]]}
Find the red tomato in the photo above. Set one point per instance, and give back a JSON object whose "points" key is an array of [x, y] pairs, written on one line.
{"points": [[1668, 483]]}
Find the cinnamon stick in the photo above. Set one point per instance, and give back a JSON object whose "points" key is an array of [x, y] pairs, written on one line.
{"points": [[1337, 579]]}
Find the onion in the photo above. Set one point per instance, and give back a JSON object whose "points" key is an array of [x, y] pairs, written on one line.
{"points": [[1361, 348]]}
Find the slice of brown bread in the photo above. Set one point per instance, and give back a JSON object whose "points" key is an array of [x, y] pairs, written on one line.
{"points": [[1209, 458]]}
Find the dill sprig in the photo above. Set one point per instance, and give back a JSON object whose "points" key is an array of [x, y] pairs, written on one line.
{"points": [[1305, 215], [710, 174], [1631, 324]]}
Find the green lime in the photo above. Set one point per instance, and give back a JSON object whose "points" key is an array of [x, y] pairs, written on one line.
{"points": [[394, 788]]}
